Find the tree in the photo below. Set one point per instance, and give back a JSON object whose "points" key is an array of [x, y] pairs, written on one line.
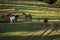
{"points": [[40, 0], [58, 2], [50, 1]]}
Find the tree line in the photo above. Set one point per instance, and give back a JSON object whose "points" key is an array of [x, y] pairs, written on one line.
{"points": [[49, 1], [46, 1]]}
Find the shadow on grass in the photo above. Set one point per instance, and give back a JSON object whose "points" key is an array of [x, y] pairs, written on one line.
{"points": [[13, 38], [52, 37], [42, 36], [23, 26], [28, 27]]}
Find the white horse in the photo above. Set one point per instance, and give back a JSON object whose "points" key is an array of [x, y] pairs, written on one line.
{"points": [[12, 19]]}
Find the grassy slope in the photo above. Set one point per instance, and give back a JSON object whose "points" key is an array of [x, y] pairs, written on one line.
{"points": [[24, 29], [38, 9]]}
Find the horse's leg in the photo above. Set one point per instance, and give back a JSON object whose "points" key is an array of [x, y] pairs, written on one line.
{"points": [[26, 17], [45, 25], [15, 20], [30, 18], [11, 21]]}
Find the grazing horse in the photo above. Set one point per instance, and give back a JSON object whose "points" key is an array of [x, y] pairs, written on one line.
{"points": [[13, 18], [16, 17], [45, 21], [6, 18], [27, 16], [9, 17]]}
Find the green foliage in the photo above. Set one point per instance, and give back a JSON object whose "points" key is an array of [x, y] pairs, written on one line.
{"points": [[50, 1], [41, 0]]}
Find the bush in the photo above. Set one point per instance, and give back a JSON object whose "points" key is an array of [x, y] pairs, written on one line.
{"points": [[50, 1]]}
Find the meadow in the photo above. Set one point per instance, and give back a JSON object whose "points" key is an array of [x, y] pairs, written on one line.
{"points": [[22, 30]]}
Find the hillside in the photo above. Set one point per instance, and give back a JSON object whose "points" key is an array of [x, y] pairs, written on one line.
{"points": [[35, 29]]}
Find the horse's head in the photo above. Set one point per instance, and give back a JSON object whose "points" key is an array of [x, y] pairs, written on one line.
{"points": [[17, 16], [24, 13]]}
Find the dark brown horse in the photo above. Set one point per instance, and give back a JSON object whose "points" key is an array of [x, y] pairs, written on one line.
{"points": [[45, 21], [27, 16], [5, 18]]}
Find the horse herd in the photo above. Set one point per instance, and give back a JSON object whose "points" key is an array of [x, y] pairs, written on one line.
{"points": [[10, 18]]}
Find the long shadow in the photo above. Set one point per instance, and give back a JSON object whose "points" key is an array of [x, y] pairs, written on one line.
{"points": [[57, 37], [40, 37], [32, 37], [46, 37], [24, 26], [48, 34], [24, 37], [13, 37], [28, 27], [42, 34], [50, 37]]}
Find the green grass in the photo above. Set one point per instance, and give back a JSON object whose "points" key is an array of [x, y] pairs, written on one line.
{"points": [[18, 31], [23, 29]]}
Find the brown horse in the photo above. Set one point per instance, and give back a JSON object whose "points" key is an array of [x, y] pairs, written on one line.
{"points": [[45, 21], [6, 17], [27, 16]]}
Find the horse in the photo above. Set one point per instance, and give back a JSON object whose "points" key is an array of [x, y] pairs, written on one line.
{"points": [[27, 16], [5, 18], [16, 17], [13, 18], [45, 21]]}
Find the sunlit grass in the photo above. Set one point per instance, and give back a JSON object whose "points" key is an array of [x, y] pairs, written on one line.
{"points": [[18, 33], [28, 2], [56, 39], [7, 4], [56, 32], [21, 33], [9, 9], [23, 28]]}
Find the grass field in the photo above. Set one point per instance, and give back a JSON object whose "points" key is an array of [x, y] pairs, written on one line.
{"points": [[23, 29]]}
